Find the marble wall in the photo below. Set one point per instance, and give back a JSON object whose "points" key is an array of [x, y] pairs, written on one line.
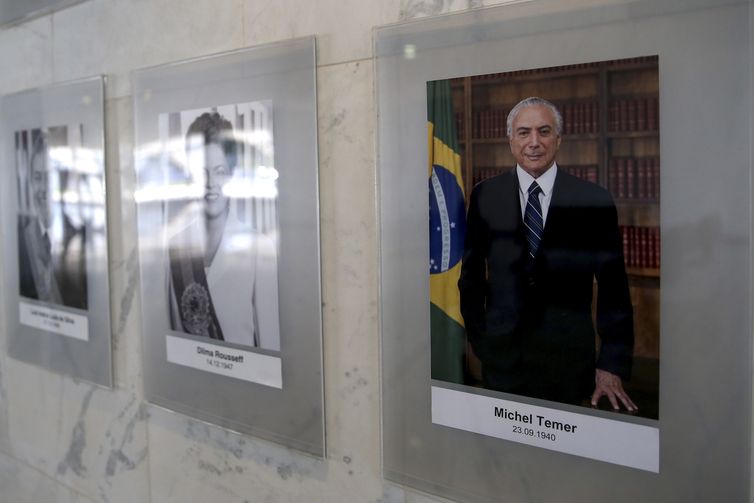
{"points": [[67, 441]]}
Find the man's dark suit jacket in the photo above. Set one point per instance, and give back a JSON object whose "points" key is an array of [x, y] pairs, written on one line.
{"points": [[530, 321], [69, 269]]}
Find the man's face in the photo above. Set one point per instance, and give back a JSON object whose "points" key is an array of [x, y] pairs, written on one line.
{"points": [[217, 173], [40, 188], [534, 139]]}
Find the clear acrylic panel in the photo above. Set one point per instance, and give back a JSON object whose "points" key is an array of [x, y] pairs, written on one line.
{"points": [[227, 201], [611, 70], [55, 217]]}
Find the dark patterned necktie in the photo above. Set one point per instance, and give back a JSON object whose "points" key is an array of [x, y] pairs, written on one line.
{"points": [[47, 251], [533, 219]]}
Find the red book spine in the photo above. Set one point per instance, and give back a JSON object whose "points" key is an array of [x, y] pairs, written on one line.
{"points": [[656, 177], [612, 117], [568, 118], [594, 115], [652, 121], [657, 247], [622, 115], [621, 169], [626, 245], [630, 177], [643, 247], [592, 174], [632, 105], [632, 246], [612, 178], [641, 115], [475, 125], [641, 179]]}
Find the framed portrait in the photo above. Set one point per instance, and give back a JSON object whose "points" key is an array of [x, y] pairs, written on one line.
{"points": [[522, 308], [227, 179], [54, 207]]}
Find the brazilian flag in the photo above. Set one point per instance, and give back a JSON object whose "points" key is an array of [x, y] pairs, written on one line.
{"points": [[447, 229]]}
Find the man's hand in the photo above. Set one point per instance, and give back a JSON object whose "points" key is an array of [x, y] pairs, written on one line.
{"points": [[610, 385]]}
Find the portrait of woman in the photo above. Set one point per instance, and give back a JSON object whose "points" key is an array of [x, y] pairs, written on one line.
{"points": [[222, 267]]}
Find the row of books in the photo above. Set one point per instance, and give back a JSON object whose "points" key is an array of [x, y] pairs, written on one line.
{"points": [[640, 114], [578, 118], [487, 123], [534, 71], [588, 173], [634, 178], [482, 173], [641, 246], [565, 68]]}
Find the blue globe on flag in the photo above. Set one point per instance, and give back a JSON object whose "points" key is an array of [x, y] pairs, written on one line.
{"points": [[447, 220]]}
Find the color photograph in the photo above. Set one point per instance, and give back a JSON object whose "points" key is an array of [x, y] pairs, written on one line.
{"points": [[544, 233]]}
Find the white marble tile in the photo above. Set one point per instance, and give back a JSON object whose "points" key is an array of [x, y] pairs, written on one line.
{"points": [[398, 494], [20, 483], [118, 36], [343, 29], [122, 236], [413, 9], [195, 461], [86, 437], [349, 260], [26, 55]]}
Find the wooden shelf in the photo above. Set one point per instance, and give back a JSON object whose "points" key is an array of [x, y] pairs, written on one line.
{"points": [[643, 271], [632, 134]]}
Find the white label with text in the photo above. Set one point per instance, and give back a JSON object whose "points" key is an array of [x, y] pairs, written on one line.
{"points": [[609, 440], [230, 362], [54, 320]]}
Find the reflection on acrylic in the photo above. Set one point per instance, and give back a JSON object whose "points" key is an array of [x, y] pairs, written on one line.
{"points": [[211, 187], [61, 213]]}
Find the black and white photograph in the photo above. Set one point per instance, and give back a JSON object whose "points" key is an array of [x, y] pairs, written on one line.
{"points": [[56, 211], [55, 217], [221, 224]]}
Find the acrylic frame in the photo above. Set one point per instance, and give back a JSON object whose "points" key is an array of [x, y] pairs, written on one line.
{"points": [[15, 11], [57, 295], [250, 361], [472, 465]]}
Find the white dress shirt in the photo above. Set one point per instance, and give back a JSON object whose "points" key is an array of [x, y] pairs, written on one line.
{"points": [[546, 181]]}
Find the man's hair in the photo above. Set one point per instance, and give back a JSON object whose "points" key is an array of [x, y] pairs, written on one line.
{"points": [[214, 128], [530, 102]]}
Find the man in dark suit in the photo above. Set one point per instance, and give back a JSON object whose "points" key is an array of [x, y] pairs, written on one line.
{"points": [[537, 239], [51, 252]]}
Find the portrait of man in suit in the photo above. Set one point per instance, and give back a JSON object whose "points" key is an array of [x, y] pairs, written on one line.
{"points": [[51, 249], [539, 242]]}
